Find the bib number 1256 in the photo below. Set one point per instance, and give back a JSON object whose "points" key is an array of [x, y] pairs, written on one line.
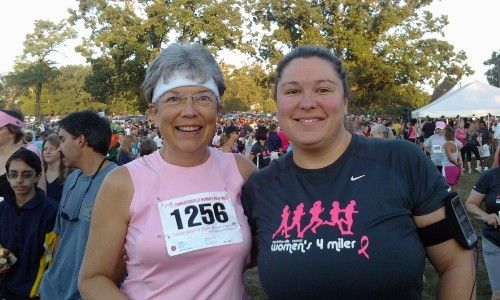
{"points": [[209, 212]]}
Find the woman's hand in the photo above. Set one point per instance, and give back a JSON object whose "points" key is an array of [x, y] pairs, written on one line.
{"points": [[491, 219]]}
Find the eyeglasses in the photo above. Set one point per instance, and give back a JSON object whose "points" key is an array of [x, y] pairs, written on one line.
{"points": [[200, 99], [23, 175], [66, 216], [45, 149]]}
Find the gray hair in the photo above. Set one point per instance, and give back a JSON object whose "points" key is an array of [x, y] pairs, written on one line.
{"points": [[193, 59]]}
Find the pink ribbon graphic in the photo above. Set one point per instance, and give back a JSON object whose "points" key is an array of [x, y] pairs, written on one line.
{"points": [[364, 245]]}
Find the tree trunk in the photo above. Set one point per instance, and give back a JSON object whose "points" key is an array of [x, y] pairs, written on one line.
{"points": [[38, 105]]}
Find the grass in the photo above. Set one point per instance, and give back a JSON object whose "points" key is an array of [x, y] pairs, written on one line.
{"points": [[430, 287]]}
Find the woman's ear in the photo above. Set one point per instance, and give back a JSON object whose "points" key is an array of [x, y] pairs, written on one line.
{"points": [[152, 112]]}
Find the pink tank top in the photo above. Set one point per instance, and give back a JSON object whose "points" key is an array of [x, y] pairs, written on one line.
{"points": [[189, 200]]}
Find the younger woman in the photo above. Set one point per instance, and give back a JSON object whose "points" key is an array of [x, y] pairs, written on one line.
{"points": [[55, 170], [125, 152], [452, 160], [25, 218]]}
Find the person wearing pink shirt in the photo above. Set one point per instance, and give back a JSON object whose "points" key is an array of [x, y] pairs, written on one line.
{"points": [[177, 219]]}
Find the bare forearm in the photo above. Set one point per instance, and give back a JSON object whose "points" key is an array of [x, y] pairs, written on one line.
{"points": [[99, 287], [475, 210], [457, 283]]}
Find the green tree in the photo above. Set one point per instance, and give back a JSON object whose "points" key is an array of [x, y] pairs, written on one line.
{"points": [[493, 74], [447, 84], [9, 92], [127, 34], [388, 47], [247, 88], [64, 93], [33, 69]]}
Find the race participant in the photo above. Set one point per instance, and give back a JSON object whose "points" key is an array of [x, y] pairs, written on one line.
{"points": [[434, 145], [24, 221], [177, 212], [85, 139], [487, 190], [11, 135], [55, 170], [452, 160], [338, 218]]}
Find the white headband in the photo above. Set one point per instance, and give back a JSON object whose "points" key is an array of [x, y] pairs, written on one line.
{"points": [[179, 79]]}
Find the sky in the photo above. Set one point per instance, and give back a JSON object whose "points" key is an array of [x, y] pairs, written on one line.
{"points": [[473, 28]]}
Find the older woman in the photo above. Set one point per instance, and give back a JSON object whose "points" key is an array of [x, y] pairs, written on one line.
{"points": [[177, 212], [338, 217], [11, 135]]}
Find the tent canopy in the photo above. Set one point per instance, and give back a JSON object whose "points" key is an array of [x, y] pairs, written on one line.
{"points": [[474, 99]]}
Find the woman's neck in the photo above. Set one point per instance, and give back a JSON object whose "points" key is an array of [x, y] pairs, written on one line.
{"points": [[320, 158], [7, 149], [185, 159], [53, 166]]}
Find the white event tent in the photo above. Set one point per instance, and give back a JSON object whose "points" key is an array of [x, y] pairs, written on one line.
{"points": [[475, 99]]}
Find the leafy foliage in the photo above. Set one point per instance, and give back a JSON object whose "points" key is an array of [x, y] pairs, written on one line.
{"points": [[387, 46], [493, 74], [34, 68], [247, 89], [126, 35], [447, 84]]}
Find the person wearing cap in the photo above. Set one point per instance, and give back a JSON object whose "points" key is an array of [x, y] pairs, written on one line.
{"points": [[177, 212], [434, 145], [11, 137]]}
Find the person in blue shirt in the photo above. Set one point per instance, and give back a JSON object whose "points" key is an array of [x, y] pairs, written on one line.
{"points": [[274, 143], [24, 221]]}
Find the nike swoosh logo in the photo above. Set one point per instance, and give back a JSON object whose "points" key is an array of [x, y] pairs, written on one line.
{"points": [[356, 178]]}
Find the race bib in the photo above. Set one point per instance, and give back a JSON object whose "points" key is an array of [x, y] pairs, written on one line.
{"points": [[437, 149], [199, 221]]}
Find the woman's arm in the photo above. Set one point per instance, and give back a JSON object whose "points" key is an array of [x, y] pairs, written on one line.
{"points": [[245, 166], [473, 204], [103, 263], [454, 264]]}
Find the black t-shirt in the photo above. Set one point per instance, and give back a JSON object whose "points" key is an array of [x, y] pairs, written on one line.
{"points": [[54, 189], [489, 184], [261, 153], [345, 231], [472, 139]]}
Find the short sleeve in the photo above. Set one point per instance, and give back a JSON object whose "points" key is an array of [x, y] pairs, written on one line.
{"points": [[428, 142], [57, 224], [428, 188], [247, 201], [482, 184]]}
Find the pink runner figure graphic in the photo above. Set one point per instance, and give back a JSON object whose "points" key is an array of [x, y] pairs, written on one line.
{"points": [[334, 216], [297, 217], [315, 221], [348, 212], [283, 229]]}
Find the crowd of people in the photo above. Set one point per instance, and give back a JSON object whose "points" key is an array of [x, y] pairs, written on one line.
{"points": [[180, 205]]}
